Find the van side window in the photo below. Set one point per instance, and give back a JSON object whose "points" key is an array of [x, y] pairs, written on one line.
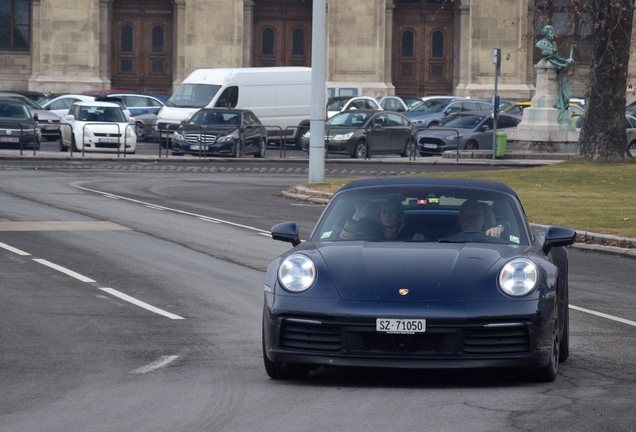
{"points": [[228, 98]]}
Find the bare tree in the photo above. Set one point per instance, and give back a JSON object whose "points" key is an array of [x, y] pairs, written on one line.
{"points": [[603, 136]]}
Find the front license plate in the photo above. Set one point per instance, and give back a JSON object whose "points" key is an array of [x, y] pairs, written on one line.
{"points": [[198, 147], [400, 326], [9, 139], [431, 146], [51, 127], [109, 140]]}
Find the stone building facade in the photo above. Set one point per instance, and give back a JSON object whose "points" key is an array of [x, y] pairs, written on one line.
{"points": [[409, 47]]}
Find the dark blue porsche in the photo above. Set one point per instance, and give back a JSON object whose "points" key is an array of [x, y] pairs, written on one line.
{"points": [[419, 273]]}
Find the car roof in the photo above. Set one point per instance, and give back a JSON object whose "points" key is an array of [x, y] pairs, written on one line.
{"points": [[97, 104], [437, 182], [11, 100]]}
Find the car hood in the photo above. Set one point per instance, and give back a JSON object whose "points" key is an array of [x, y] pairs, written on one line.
{"points": [[442, 133], [432, 272], [106, 127], [209, 130]]}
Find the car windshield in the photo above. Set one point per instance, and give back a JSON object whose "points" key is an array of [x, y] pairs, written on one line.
{"points": [[14, 111], [216, 118], [349, 118], [422, 214], [193, 95], [337, 104], [432, 105], [463, 121], [101, 114]]}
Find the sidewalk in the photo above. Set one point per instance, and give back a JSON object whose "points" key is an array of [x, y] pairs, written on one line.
{"points": [[586, 240]]}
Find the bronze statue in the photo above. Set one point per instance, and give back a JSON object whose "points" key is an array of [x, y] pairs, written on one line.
{"points": [[550, 53]]}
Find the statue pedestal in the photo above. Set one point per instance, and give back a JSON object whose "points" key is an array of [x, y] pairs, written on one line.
{"points": [[540, 129]]}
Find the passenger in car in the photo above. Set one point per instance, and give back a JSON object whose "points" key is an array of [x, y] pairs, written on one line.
{"points": [[385, 222]]}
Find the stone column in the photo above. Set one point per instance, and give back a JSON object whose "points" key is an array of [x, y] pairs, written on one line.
{"points": [[388, 47], [248, 26], [180, 36]]}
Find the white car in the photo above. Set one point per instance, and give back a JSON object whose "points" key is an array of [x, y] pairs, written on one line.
{"points": [[343, 103], [61, 104], [98, 127]]}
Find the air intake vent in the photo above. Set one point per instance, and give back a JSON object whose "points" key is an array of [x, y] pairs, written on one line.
{"points": [[511, 340], [308, 336]]}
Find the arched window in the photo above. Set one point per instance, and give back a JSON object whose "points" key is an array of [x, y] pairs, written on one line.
{"points": [[298, 42], [127, 38], [438, 44], [408, 43], [267, 41], [15, 25], [157, 39]]}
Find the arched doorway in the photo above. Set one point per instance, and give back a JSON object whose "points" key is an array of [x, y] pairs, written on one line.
{"points": [[422, 55], [142, 46], [282, 33]]}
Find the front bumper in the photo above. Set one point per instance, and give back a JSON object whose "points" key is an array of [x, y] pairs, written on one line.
{"points": [[458, 335], [216, 149]]}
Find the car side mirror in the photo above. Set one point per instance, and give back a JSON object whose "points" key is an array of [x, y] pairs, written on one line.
{"points": [[35, 117], [558, 236], [377, 125], [485, 128], [70, 117], [286, 231], [131, 120]]}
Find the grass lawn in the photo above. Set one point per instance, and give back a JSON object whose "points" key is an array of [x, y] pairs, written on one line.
{"points": [[585, 196]]}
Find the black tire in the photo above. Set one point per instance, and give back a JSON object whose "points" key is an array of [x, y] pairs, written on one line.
{"points": [[61, 147], [564, 349], [471, 145], [299, 138], [632, 145], [548, 373], [140, 130], [262, 149], [360, 150], [409, 149], [278, 370]]}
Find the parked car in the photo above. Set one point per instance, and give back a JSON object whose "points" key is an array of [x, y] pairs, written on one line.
{"points": [[33, 96], [98, 127], [465, 130], [344, 103], [48, 123], [410, 101], [431, 112], [62, 104], [221, 132], [393, 103], [445, 297], [144, 107], [630, 126], [17, 125], [353, 132], [517, 110]]}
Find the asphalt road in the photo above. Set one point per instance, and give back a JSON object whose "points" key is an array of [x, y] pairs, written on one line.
{"points": [[132, 301]]}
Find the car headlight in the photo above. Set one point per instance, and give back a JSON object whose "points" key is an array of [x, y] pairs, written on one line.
{"points": [[177, 136], [88, 133], [419, 122], [229, 138], [342, 137], [306, 135], [518, 277], [297, 273], [129, 132]]}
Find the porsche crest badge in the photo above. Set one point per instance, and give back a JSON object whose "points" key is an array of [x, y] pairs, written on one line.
{"points": [[403, 291]]}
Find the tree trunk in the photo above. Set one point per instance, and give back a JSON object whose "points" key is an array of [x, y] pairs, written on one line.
{"points": [[603, 136]]}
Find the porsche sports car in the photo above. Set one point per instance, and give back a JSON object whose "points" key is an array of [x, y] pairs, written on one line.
{"points": [[419, 273]]}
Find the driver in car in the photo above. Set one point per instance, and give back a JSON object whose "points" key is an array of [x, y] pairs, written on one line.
{"points": [[472, 217]]}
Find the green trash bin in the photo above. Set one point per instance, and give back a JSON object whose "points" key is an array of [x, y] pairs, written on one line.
{"points": [[500, 148]]}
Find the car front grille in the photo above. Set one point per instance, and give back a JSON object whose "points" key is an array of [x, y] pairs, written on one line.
{"points": [[107, 135], [195, 138], [429, 144], [471, 341]]}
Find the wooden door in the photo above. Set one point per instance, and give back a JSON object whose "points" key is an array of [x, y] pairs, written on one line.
{"points": [[142, 52]]}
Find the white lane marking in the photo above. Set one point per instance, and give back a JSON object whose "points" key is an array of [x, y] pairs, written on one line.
{"points": [[14, 250], [266, 234], [172, 210], [64, 270], [160, 362], [209, 220], [154, 207], [603, 315], [141, 304]]}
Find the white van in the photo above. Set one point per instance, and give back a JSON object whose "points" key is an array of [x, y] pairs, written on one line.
{"points": [[279, 96]]}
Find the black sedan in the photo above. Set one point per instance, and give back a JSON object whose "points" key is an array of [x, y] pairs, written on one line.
{"points": [[221, 132], [419, 273], [463, 131], [361, 133], [18, 127]]}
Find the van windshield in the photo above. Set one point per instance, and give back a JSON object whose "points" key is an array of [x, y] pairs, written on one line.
{"points": [[193, 95]]}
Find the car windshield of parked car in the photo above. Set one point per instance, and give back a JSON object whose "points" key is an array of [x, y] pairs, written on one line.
{"points": [[422, 214], [14, 111], [101, 114], [193, 95], [463, 121], [215, 118], [337, 104], [431, 106], [349, 118]]}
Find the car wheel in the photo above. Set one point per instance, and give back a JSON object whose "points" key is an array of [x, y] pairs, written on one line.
{"points": [[548, 373], [409, 149], [278, 370], [360, 150], [564, 349], [299, 138], [140, 130], [262, 148], [632, 145], [62, 147], [471, 145]]}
